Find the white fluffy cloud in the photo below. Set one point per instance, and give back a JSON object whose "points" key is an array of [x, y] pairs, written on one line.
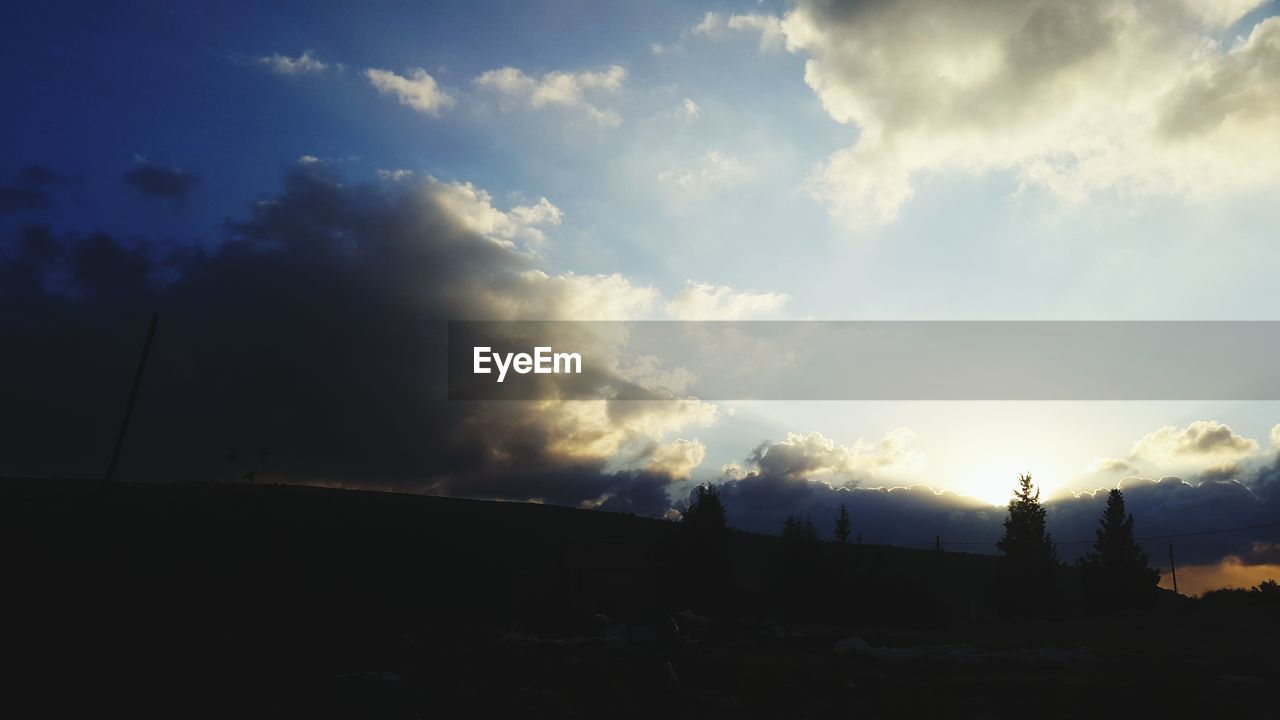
{"points": [[473, 208], [704, 301], [419, 90], [1202, 444], [1202, 447], [304, 64], [677, 459], [817, 457], [564, 89], [1073, 97]]}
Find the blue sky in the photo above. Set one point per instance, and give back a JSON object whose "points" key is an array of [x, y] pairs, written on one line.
{"points": [[791, 160], [183, 89]]}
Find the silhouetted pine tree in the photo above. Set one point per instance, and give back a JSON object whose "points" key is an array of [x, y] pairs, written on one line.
{"points": [[798, 577], [705, 559], [841, 595], [1117, 575], [705, 514], [791, 529], [843, 527], [1026, 581]]}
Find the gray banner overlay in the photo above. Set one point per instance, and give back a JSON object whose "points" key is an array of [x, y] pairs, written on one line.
{"points": [[867, 360]]}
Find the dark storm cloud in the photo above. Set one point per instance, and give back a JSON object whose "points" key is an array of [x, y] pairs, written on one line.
{"points": [[30, 189], [161, 182], [40, 176], [19, 199], [897, 516], [309, 347], [1176, 507]]}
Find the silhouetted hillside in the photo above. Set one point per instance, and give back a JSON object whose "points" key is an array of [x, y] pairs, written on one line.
{"points": [[192, 599]]}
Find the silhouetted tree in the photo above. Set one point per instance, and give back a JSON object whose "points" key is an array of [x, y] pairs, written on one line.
{"points": [[841, 596], [1264, 596], [1026, 581], [705, 560], [705, 514], [798, 577], [843, 527], [791, 528], [797, 531], [1117, 575]]}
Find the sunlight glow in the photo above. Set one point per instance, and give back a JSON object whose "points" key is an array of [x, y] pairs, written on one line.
{"points": [[993, 480]]}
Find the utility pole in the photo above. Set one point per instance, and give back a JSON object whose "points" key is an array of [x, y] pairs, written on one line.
{"points": [[133, 398], [1173, 570], [937, 543]]}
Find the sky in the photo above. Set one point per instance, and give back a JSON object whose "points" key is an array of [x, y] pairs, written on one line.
{"points": [[307, 191]]}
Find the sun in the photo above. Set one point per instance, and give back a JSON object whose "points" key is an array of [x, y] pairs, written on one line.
{"points": [[993, 480]]}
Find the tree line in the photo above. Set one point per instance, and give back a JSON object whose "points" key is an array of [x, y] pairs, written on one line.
{"points": [[1116, 574]]}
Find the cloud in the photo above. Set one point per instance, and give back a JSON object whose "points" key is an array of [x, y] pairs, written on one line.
{"points": [[711, 171], [799, 479], [1231, 572], [563, 89], [1075, 98], [419, 90], [687, 110], [1204, 448], [30, 190], [312, 333], [20, 199], [1221, 13], [811, 474], [769, 26], [304, 64], [1201, 445], [473, 209], [908, 516], [710, 24], [704, 301], [40, 176], [1108, 465], [162, 182], [1172, 506], [814, 457]]}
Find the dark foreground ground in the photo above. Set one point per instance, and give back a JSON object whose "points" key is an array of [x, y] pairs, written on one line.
{"points": [[240, 600]]}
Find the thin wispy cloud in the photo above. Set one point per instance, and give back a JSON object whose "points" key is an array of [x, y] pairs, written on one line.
{"points": [[304, 64]]}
